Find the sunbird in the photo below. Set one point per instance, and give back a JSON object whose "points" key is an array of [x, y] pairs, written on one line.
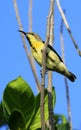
{"points": [[53, 60]]}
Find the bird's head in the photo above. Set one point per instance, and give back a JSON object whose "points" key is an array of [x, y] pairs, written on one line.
{"points": [[31, 36]]}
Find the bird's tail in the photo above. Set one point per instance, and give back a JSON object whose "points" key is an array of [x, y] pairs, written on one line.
{"points": [[71, 76]]}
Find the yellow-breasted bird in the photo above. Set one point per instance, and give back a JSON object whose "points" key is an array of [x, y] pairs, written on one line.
{"points": [[53, 61]]}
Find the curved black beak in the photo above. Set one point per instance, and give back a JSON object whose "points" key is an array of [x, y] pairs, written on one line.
{"points": [[22, 32]]}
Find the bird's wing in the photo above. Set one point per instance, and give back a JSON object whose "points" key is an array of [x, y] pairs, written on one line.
{"points": [[50, 47]]}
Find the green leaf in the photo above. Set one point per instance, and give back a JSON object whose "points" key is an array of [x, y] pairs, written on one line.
{"points": [[18, 99], [63, 126], [16, 121], [61, 117], [36, 122], [18, 95], [2, 118]]}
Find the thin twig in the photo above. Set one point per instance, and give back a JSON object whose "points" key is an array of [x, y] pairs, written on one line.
{"points": [[30, 30], [66, 82], [68, 103], [42, 90], [68, 28], [24, 45], [51, 39], [50, 97], [43, 72], [43, 78]]}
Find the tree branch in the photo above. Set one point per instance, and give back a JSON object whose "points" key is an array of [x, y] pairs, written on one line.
{"points": [[67, 27], [49, 37], [43, 77], [43, 72], [51, 40], [24, 45], [66, 82]]}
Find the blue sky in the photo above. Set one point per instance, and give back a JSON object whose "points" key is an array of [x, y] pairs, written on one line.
{"points": [[13, 59]]}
